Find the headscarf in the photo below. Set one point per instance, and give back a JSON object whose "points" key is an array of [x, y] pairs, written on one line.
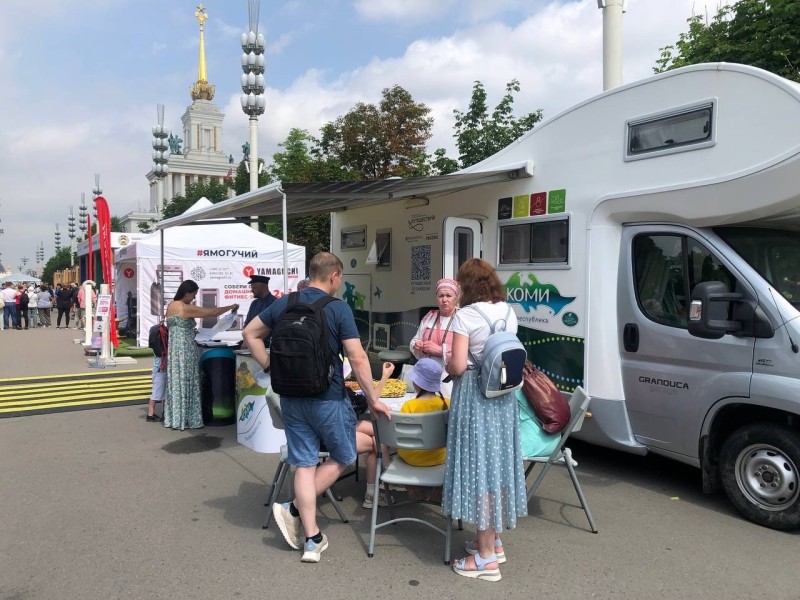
{"points": [[449, 284]]}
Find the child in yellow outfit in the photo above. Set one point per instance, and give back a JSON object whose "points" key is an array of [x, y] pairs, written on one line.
{"points": [[427, 379]]}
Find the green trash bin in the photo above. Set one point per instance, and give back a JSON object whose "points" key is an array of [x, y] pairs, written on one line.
{"points": [[218, 386]]}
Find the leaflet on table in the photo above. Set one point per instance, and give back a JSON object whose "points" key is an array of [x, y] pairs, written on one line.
{"points": [[223, 324]]}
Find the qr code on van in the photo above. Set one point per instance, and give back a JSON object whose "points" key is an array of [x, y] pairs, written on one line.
{"points": [[421, 263]]}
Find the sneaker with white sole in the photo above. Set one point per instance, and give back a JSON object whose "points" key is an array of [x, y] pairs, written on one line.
{"points": [[312, 550], [291, 527]]}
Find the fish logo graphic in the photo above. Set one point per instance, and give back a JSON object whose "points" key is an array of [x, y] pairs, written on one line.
{"points": [[248, 408], [531, 294]]}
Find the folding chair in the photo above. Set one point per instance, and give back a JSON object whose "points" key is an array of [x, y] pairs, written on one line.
{"points": [[419, 431], [283, 469], [562, 455]]}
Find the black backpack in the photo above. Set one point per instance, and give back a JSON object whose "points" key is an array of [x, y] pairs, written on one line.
{"points": [[300, 358], [157, 339]]}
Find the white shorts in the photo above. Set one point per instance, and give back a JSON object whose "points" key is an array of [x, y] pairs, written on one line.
{"points": [[159, 381]]}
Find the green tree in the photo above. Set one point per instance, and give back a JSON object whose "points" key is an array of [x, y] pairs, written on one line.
{"points": [[241, 182], [213, 190], [303, 161], [375, 142], [479, 135], [761, 33], [58, 262]]}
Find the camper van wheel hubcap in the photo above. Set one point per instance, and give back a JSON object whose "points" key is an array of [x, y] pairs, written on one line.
{"points": [[767, 477]]}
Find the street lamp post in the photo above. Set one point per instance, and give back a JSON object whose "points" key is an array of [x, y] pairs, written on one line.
{"points": [[71, 234], [160, 157], [57, 239], [253, 84], [83, 212]]}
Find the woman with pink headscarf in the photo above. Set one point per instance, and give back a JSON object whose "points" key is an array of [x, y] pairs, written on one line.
{"points": [[434, 338]]}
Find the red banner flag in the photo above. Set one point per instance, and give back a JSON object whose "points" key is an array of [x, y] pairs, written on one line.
{"points": [[106, 259]]}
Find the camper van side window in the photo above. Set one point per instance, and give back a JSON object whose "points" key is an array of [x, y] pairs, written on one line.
{"points": [[688, 129], [353, 237], [535, 242], [383, 243]]}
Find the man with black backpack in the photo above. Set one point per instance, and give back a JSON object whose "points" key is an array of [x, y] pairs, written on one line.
{"points": [[309, 330]]}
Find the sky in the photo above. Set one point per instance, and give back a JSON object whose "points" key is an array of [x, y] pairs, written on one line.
{"points": [[80, 79]]}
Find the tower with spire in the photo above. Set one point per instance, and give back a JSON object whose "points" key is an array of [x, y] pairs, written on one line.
{"points": [[197, 156]]}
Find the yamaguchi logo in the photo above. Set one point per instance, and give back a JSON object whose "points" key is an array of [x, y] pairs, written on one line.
{"points": [[532, 294]]}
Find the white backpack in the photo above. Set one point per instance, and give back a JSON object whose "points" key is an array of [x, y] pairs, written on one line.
{"points": [[504, 357]]}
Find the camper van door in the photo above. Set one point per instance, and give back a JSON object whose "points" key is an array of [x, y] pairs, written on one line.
{"points": [[671, 378], [462, 241]]}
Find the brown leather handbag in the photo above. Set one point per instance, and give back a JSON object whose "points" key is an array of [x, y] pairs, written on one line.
{"points": [[547, 403]]}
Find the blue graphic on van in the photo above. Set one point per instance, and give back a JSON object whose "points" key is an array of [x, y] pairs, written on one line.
{"points": [[354, 299], [532, 294]]}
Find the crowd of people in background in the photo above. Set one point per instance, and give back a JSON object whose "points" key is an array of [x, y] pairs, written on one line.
{"points": [[28, 306]]}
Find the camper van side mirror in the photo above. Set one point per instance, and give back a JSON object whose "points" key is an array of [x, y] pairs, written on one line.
{"points": [[709, 309]]}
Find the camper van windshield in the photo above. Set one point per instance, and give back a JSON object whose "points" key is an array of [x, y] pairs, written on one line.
{"points": [[773, 253]]}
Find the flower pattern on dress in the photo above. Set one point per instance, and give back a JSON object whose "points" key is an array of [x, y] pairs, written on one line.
{"points": [[182, 405]]}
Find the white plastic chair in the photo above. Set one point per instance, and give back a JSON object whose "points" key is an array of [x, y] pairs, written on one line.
{"points": [[562, 455], [283, 469], [413, 431]]}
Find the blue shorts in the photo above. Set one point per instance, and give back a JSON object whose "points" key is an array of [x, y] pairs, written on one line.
{"points": [[308, 422]]}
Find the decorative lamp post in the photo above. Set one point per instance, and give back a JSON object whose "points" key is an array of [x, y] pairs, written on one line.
{"points": [[57, 239], [96, 192], [40, 253], [160, 157], [253, 83], [83, 212], [71, 234]]}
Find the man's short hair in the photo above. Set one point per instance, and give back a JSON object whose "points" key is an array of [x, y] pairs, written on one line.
{"points": [[323, 265]]}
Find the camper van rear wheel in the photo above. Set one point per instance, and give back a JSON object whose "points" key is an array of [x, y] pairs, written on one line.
{"points": [[759, 467]]}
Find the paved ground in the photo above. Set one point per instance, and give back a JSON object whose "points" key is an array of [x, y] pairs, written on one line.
{"points": [[99, 504], [48, 351]]}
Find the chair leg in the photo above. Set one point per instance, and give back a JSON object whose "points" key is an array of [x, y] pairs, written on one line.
{"points": [[545, 467], [277, 486], [448, 537], [374, 516], [336, 506], [578, 490]]}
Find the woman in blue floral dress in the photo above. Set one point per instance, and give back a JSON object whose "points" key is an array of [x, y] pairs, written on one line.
{"points": [[484, 481], [182, 406]]}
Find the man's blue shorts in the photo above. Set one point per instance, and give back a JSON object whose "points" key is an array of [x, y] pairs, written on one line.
{"points": [[308, 421]]}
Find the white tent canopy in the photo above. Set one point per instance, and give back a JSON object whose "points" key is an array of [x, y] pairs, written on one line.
{"points": [[220, 258], [19, 278]]}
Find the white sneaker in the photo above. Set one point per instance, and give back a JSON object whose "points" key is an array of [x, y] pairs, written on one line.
{"points": [[291, 527], [312, 551]]}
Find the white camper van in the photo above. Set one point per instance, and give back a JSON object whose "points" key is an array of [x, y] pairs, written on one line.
{"points": [[616, 217], [648, 238]]}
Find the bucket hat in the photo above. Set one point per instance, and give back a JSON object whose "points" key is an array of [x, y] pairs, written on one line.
{"points": [[427, 374]]}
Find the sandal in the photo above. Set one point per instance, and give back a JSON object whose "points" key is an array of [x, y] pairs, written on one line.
{"points": [[472, 548], [480, 570]]}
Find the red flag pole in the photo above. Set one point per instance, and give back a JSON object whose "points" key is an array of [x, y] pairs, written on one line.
{"points": [[90, 257]]}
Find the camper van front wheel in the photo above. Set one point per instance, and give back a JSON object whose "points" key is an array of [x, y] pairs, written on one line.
{"points": [[759, 467]]}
